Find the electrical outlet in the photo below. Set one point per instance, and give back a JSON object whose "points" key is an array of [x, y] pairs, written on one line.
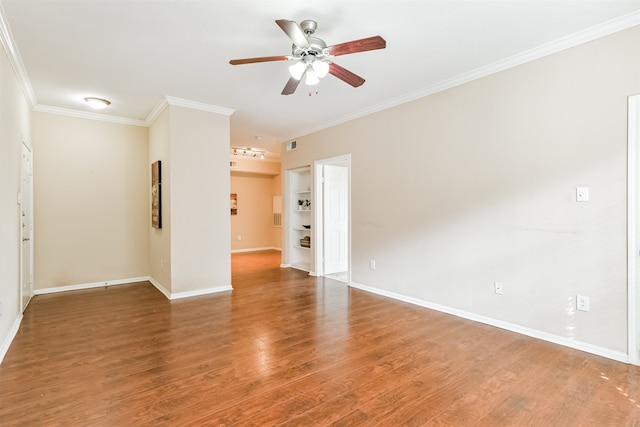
{"points": [[239, 237], [582, 303], [372, 265], [497, 288]]}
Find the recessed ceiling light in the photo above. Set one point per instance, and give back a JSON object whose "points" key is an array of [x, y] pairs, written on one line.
{"points": [[97, 103]]}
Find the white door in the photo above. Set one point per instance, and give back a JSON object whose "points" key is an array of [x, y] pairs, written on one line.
{"points": [[336, 219], [26, 213]]}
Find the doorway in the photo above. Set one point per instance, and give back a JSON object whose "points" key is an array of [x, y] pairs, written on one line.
{"points": [[333, 218], [26, 229]]}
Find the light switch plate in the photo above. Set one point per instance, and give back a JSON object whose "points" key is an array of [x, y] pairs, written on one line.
{"points": [[582, 194]]}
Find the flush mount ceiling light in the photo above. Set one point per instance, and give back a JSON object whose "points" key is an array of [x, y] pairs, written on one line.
{"points": [[97, 103], [248, 152]]}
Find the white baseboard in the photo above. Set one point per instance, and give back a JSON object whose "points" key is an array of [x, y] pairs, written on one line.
{"points": [[188, 294], [155, 283], [89, 285], [534, 333], [9, 338], [159, 287], [235, 251], [285, 265], [198, 292]]}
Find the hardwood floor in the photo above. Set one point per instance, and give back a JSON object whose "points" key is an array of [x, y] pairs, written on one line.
{"points": [[287, 349]]}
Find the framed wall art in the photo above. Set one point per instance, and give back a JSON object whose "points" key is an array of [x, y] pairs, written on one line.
{"points": [[234, 204], [156, 194]]}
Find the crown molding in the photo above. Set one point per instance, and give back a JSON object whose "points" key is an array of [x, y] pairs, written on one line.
{"points": [[9, 45], [156, 111], [171, 100], [180, 102], [601, 30], [88, 115]]}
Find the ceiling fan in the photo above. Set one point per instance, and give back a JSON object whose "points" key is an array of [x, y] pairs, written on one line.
{"points": [[312, 56]]}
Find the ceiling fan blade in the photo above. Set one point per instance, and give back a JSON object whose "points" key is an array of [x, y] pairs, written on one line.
{"points": [[362, 45], [293, 30], [291, 86], [260, 59], [345, 75]]}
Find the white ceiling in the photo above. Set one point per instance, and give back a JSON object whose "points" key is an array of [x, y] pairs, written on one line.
{"points": [[135, 53]]}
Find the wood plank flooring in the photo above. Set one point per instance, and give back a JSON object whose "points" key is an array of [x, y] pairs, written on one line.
{"points": [[287, 349]]}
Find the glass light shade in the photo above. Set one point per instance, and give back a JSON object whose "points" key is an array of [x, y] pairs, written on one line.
{"points": [[321, 68], [297, 70], [97, 103], [312, 79]]}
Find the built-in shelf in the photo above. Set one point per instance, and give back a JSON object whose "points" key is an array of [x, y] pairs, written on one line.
{"points": [[300, 181]]}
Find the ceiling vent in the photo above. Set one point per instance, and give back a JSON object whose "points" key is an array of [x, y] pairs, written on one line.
{"points": [[292, 145]]}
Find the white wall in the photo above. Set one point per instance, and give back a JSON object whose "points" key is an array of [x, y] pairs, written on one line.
{"points": [[14, 128], [160, 239], [476, 184], [91, 198], [200, 225]]}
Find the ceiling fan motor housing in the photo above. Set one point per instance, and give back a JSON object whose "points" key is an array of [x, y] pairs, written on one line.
{"points": [[309, 26], [316, 48]]}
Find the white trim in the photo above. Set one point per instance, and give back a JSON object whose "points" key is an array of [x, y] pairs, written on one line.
{"points": [[88, 115], [534, 333], [195, 105], [318, 217], [156, 284], [156, 111], [187, 294], [153, 114], [172, 100], [272, 248], [31, 225], [633, 207], [199, 292], [10, 336], [92, 285], [601, 30], [159, 287], [283, 265], [6, 39]]}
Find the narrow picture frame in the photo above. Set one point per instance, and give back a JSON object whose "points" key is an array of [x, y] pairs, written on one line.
{"points": [[156, 194], [234, 204]]}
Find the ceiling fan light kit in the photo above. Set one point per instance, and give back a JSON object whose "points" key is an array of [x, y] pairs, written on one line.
{"points": [[297, 69], [312, 55]]}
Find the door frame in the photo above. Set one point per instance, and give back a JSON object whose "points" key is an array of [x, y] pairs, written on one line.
{"points": [[633, 229], [318, 229], [23, 306]]}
